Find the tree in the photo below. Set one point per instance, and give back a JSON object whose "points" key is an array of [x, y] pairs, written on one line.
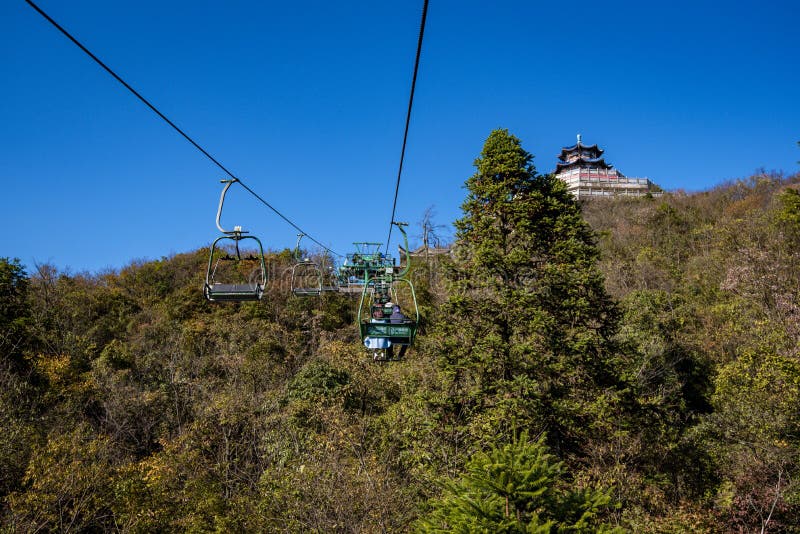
{"points": [[752, 436], [525, 336], [431, 233], [515, 488], [18, 388], [68, 486], [14, 311]]}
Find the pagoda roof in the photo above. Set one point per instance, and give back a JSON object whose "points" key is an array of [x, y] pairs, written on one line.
{"points": [[583, 162], [579, 147]]}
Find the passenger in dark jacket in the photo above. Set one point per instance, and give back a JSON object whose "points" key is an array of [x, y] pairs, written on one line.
{"points": [[396, 316]]}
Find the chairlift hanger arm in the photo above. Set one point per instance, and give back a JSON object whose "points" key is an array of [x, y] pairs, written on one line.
{"points": [[237, 230], [298, 257], [401, 226]]}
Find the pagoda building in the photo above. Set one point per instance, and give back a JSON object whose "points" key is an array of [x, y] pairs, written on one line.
{"points": [[587, 174]]}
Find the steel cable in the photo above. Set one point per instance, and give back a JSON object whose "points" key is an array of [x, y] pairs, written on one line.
{"points": [[174, 126], [408, 119]]}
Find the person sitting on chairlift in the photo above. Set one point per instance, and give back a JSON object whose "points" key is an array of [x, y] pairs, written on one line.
{"points": [[397, 316]]}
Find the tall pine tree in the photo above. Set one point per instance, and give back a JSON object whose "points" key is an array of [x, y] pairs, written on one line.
{"points": [[524, 339]]}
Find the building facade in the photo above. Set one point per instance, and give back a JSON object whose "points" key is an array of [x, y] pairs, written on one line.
{"points": [[587, 175]]}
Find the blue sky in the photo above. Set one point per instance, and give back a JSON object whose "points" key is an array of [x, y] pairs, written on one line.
{"points": [[306, 103]]}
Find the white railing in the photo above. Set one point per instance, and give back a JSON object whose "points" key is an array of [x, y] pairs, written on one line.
{"points": [[583, 184]]}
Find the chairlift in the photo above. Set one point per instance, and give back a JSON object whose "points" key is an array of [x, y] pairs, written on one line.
{"points": [[306, 274], [382, 324], [366, 263], [232, 276], [311, 278]]}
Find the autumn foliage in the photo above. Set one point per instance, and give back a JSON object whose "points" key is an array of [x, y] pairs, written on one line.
{"points": [[613, 365]]}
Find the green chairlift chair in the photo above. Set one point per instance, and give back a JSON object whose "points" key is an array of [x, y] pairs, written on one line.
{"points": [[381, 324]]}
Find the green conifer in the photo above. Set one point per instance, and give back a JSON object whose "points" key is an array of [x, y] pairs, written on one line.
{"points": [[524, 338], [515, 488]]}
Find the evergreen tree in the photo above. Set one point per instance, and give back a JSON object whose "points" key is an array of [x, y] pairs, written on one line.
{"points": [[524, 337], [515, 488], [17, 391], [14, 311]]}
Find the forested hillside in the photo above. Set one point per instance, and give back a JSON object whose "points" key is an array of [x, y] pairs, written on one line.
{"points": [[617, 365]]}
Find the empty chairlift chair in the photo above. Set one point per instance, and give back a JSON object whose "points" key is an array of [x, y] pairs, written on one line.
{"points": [[233, 276], [306, 274]]}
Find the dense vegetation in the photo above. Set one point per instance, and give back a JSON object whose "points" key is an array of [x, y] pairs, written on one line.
{"points": [[617, 365]]}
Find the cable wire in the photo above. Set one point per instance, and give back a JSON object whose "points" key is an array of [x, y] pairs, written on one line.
{"points": [[408, 119], [174, 126]]}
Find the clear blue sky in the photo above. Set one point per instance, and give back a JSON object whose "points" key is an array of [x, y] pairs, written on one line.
{"points": [[306, 103]]}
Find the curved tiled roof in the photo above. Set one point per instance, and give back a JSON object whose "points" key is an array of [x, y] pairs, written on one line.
{"points": [[580, 147], [583, 162]]}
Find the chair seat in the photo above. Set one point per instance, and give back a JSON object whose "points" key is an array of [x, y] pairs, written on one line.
{"points": [[234, 292], [307, 291]]}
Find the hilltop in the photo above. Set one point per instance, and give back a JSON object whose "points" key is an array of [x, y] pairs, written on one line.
{"points": [[639, 356]]}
